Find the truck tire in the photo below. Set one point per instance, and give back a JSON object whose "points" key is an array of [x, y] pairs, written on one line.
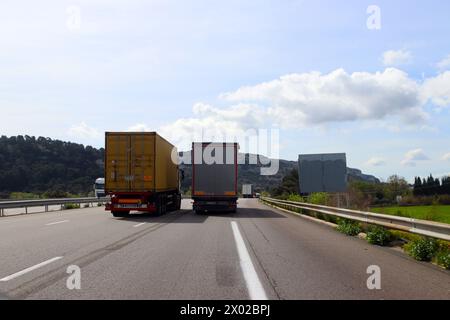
{"points": [[178, 205], [120, 214], [198, 211], [161, 206]]}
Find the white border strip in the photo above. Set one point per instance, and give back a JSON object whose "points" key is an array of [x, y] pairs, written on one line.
{"points": [[24, 271], [139, 224], [254, 286], [57, 222]]}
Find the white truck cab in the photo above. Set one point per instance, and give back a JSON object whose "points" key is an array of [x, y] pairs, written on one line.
{"points": [[99, 188]]}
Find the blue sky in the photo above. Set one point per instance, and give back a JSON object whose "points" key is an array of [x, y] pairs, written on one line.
{"points": [[312, 69]]}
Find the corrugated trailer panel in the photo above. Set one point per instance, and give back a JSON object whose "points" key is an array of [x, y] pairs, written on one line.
{"points": [[142, 164], [166, 170], [215, 179], [139, 162], [117, 162]]}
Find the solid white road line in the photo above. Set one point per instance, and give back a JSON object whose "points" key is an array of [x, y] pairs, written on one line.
{"points": [[57, 222], [21, 273], [139, 224], [254, 286]]}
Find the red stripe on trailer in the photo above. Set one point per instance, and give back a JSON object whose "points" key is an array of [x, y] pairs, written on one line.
{"points": [[193, 170], [235, 169]]}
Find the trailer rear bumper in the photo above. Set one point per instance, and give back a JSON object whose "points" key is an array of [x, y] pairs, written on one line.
{"points": [[128, 201], [215, 204], [126, 208]]}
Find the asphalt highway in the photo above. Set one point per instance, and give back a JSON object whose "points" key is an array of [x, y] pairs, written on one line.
{"points": [[256, 253]]}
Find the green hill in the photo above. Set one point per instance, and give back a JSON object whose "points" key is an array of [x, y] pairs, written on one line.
{"points": [[38, 165]]}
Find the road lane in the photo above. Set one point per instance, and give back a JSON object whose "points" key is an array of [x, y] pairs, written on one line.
{"points": [[306, 260], [187, 256], [26, 240], [192, 257]]}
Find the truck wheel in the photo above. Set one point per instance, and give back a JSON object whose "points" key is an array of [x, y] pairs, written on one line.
{"points": [[198, 211], [161, 206], [158, 207], [120, 214], [178, 206]]}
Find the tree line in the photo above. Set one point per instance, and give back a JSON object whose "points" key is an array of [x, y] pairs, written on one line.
{"points": [[431, 186], [42, 165]]}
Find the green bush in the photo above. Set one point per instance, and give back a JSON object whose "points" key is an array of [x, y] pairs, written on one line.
{"points": [[23, 196], [379, 236], [348, 227], [70, 206], [331, 219], [320, 198], [442, 257], [423, 249], [295, 197]]}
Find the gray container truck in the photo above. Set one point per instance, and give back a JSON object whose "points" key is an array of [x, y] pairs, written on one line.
{"points": [[247, 191], [214, 177]]}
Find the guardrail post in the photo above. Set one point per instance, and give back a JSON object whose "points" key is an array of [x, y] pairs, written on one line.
{"points": [[26, 210], [61, 207], [46, 208], [1, 212]]}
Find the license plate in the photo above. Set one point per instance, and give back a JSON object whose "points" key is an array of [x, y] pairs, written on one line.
{"points": [[127, 206]]}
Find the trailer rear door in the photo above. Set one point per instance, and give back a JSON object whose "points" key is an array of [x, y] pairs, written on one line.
{"points": [[129, 163], [214, 179]]}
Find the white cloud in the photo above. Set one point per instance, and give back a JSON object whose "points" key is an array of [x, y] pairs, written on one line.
{"points": [[140, 127], [414, 155], [376, 162], [438, 89], [397, 57], [299, 100], [214, 124], [446, 157], [444, 63], [313, 99], [83, 131]]}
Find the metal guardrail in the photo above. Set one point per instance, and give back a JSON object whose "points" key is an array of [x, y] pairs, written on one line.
{"points": [[46, 203], [421, 227]]}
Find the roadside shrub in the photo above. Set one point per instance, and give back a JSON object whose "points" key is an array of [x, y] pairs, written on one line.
{"points": [[331, 219], [99, 204], [405, 236], [295, 197], [378, 236], [23, 196], [349, 227], [444, 199], [70, 206], [423, 249], [442, 257], [320, 198]]}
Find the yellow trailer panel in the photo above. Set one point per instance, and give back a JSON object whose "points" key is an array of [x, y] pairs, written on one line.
{"points": [[139, 162]]}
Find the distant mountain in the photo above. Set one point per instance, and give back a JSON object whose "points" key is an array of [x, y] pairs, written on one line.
{"points": [[357, 175]]}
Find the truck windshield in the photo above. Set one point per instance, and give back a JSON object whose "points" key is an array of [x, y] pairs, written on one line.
{"points": [[99, 186]]}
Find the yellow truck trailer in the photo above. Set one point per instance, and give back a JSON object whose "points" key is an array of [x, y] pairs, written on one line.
{"points": [[140, 174]]}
